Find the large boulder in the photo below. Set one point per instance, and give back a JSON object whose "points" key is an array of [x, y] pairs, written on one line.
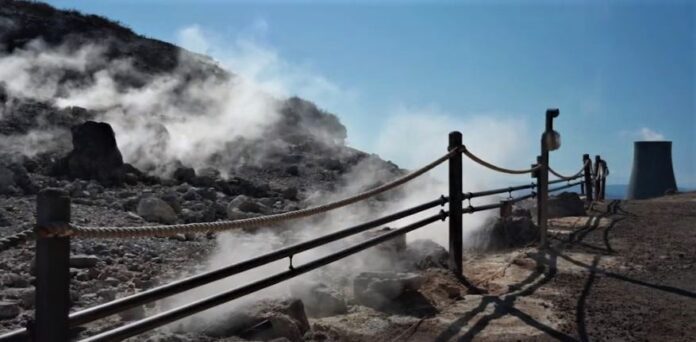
{"points": [[264, 320], [502, 233], [423, 254], [390, 248], [184, 174], [8, 310], [247, 205], [95, 155], [154, 209], [4, 218], [319, 300], [7, 182], [378, 289], [14, 179], [566, 204]]}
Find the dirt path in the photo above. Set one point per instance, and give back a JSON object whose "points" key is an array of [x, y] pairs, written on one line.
{"points": [[628, 274]]}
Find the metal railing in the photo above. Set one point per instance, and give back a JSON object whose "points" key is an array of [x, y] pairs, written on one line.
{"points": [[53, 232]]}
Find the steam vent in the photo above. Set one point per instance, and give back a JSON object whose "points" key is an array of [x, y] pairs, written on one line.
{"points": [[652, 173]]}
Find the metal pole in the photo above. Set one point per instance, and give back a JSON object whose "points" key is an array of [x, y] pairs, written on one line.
{"points": [[543, 178], [597, 183], [52, 267], [603, 180], [542, 196], [588, 177], [455, 205]]}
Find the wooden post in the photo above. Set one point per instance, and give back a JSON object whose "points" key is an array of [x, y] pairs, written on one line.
{"points": [[505, 208], [597, 183], [542, 198], [455, 205], [603, 180], [52, 267], [588, 177]]}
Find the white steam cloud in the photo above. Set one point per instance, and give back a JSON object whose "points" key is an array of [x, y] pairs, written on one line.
{"points": [[172, 117], [246, 55], [415, 136], [176, 117], [648, 134]]}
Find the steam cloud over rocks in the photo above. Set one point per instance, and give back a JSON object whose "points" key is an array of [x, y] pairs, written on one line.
{"points": [[140, 132]]}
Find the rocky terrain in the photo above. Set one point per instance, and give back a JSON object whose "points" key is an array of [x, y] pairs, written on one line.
{"points": [[140, 132], [295, 157]]}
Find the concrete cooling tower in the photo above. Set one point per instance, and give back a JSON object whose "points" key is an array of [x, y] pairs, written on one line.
{"points": [[652, 173]]}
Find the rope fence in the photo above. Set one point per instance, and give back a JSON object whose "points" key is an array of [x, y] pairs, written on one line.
{"points": [[203, 227], [15, 239], [494, 167], [53, 231], [576, 175]]}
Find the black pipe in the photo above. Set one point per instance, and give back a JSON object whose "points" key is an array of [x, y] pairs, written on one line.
{"points": [[121, 304], [470, 195], [522, 198], [565, 186], [567, 179], [172, 315], [471, 210]]}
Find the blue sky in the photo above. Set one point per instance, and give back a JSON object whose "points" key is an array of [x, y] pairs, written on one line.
{"points": [[618, 72]]}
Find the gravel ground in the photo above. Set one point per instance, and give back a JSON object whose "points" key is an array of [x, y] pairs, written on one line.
{"points": [[628, 277]]}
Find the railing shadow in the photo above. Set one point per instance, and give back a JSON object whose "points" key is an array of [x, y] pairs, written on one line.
{"points": [[545, 271], [580, 308]]}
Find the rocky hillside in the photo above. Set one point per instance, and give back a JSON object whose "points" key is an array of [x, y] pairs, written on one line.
{"points": [[53, 60], [141, 132]]}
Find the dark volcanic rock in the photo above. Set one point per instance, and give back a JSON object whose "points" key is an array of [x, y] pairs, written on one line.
{"points": [[423, 254], [184, 174], [8, 309], [95, 155], [154, 209], [377, 289], [4, 221], [7, 183], [14, 179], [319, 300], [566, 204], [501, 233], [263, 321]]}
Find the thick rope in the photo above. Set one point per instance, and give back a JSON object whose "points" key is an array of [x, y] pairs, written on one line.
{"points": [[576, 175], [15, 239], [496, 168], [144, 231]]}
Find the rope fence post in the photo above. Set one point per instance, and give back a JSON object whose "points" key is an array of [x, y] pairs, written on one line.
{"points": [[455, 204], [547, 140], [588, 177], [597, 183], [603, 180], [52, 266], [542, 197]]}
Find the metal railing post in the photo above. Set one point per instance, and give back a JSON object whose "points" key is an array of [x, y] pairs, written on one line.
{"points": [[603, 180], [597, 182], [588, 177], [52, 267], [455, 204], [542, 198]]}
